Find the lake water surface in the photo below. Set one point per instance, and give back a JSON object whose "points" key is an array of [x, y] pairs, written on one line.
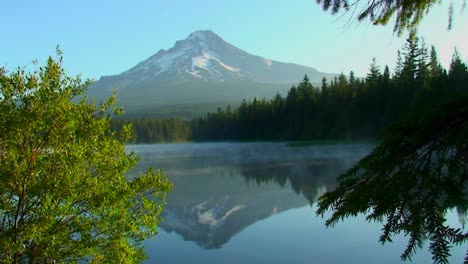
{"points": [[256, 203]]}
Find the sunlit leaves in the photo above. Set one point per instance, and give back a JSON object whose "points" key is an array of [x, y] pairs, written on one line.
{"points": [[64, 196]]}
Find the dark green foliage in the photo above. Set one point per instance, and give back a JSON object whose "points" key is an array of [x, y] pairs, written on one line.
{"points": [[374, 72], [458, 78], [419, 171], [435, 69], [148, 130], [346, 108], [422, 171], [407, 14]]}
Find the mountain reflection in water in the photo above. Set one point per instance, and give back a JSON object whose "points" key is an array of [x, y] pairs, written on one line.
{"points": [[226, 194], [221, 188]]}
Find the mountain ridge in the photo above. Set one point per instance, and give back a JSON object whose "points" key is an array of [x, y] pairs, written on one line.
{"points": [[199, 69]]}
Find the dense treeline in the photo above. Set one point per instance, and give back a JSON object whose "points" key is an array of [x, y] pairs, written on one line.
{"points": [[147, 130], [343, 108]]}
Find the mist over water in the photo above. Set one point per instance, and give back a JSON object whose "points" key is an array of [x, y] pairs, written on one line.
{"points": [[255, 203], [169, 156]]}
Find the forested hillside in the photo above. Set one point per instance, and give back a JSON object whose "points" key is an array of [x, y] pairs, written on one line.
{"points": [[345, 107]]}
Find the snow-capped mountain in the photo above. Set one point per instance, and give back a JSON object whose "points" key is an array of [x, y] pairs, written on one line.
{"points": [[200, 56], [203, 68]]}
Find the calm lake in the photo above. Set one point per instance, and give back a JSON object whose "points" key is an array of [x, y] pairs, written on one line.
{"points": [[256, 203]]}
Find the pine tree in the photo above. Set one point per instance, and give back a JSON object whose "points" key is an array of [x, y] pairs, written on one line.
{"points": [[435, 68], [421, 166], [305, 89], [458, 75], [352, 78], [407, 13], [422, 72], [411, 52], [457, 67], [399, 66], [342, 81], [374, 72]]}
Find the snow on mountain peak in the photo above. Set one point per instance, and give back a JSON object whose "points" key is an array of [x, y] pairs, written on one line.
{"points": [[201, 68], [201, 34], [205, 61], [206, 56], [196, 35], [195, 55]]}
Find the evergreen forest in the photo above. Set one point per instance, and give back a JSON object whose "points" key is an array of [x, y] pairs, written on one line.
{"points": [[344, 108]]}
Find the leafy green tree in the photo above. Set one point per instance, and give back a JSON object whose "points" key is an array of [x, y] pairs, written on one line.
{"points": [[64, 192]]}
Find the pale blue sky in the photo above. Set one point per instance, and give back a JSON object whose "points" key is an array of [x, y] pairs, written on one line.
{"points": [[110, 36]]}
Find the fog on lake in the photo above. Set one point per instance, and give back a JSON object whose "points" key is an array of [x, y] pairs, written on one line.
{"points": [[255, 203]]}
